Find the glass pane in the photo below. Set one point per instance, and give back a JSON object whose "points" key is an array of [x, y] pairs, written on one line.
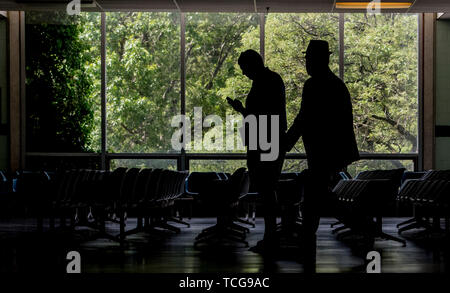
{"points": [[287, 37], [144, 163], [228, 166], [143, 65], [214, 42], [294, 165], [62, 81], [368, 165], [381, 65]]}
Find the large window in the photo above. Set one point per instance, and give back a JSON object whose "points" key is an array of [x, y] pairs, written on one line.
{"points": [[143, 80], [62, 81], [227, 166], [367, 165], [213, 44], [287, 37], [381, 61], [147, 84], [144, 163]]}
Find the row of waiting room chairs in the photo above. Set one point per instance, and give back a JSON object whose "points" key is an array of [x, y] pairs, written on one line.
{"points": [[92, 197], [364, 199], [429, 195]]}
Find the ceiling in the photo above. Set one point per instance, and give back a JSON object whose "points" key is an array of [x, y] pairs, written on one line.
{"points": [[218, 5]]}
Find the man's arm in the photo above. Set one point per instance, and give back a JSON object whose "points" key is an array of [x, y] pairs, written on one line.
{"points": [[296, 130], [237, 106]]}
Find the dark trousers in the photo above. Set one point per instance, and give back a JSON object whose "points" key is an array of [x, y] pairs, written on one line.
{"points": [[318, 199], [264, 179]]}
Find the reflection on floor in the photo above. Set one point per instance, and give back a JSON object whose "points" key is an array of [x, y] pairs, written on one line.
{"points": [[23, 250]]}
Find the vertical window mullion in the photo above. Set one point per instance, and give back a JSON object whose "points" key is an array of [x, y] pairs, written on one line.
{"points": [[420, 96], [262, 34], [182, 164], [103, 91], [341, 45]]}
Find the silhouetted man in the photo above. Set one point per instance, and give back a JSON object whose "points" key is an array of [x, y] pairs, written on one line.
{"points": [[266, 97], [325, 122]]}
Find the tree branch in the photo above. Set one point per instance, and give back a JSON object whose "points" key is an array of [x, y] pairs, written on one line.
{"points": [[402, 130]]}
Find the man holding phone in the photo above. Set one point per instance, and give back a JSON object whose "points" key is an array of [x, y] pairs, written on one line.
{"points": [[266, 97]]}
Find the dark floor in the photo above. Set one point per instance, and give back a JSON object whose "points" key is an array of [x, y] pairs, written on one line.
{"points": [[23, 250]]}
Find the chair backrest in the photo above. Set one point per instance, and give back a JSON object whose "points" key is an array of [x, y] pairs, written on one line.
{"points": [[431, 190], [177, 184], [3, 177], [163, 184], [350, 189], [153, 185], [239, 183], [379, 187], [389, 189], [245, 185], [129, 182], [182, 176], [345, 175], [437, 175], [288, 175], [437, 190], [407, 175], [394, 175], [87, 190], [443, 197], [80, 186], [59, 185], [115, 181], [198, 182], [141, 186], [100, 183], [32, 186], [72, 185], [290, 186], [223, 175]]}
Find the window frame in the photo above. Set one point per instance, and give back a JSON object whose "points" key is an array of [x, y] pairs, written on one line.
{"points": [[183, 158]]}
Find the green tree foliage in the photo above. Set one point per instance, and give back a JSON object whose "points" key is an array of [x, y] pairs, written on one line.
{"points": [[143, 83], [213, 44], [286, 38], [59, 100], [91, 35], [381, 63], [143, 75]]}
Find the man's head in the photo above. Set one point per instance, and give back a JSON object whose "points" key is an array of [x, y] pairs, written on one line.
{"points": [[317, 57], [251, 63]]}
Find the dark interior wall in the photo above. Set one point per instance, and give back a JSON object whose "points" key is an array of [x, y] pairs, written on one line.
{"points": [[3, 95], [442, 94]]}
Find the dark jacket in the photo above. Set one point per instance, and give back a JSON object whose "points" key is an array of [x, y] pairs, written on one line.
{"points": [[325, 122], [267, 97]]}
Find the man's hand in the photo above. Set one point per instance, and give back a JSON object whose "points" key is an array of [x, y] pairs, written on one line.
{"points": [[236, 104]]}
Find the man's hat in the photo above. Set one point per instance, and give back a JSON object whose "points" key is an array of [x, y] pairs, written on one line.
{"points": [[318, 47]]}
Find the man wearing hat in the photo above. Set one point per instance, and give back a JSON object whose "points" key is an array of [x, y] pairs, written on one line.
{"points": [[325, 123]]}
